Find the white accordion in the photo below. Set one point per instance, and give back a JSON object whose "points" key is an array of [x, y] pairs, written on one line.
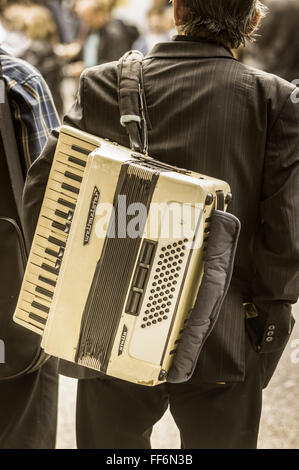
{"points": [[117, 258]]}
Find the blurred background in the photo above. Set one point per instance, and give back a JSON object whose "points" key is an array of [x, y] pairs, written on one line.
{"points": [[63, 37]]}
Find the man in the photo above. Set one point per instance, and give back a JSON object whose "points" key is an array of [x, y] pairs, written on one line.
{"points": [[28, 405], [212, 114]]}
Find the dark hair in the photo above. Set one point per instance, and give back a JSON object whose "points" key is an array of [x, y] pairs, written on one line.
{"points": [[226, 21]]}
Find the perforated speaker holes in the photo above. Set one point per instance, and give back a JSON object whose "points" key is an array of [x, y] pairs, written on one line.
{"points": [[165, 283]]}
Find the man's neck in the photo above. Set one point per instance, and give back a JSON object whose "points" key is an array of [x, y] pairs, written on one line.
{"points": [[203, 38]]}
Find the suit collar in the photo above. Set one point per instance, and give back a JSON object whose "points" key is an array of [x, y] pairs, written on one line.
{"points": [[187, 47]]}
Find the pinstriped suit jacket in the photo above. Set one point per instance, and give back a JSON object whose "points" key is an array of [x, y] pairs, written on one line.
{"points": [[212, 114]]}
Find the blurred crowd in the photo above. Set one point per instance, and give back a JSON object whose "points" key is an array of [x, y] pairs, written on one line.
{"points": [[62, 37]]}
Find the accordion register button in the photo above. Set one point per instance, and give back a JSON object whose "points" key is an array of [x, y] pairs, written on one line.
{"points": [[134, 302], [140, 278], [147, 252]]}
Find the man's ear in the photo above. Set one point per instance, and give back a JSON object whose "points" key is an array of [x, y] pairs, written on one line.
{"points": [[178, 11]]}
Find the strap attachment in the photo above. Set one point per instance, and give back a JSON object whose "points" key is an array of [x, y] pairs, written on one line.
{"points": [[132, 101]]}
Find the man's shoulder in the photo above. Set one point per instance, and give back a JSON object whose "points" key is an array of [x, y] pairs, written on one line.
{"points": [[103, 73], [267, 84], [264, 89], [16, 70]]}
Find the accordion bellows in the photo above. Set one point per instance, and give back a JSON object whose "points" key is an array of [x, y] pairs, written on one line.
{"points": [[118, 258]]}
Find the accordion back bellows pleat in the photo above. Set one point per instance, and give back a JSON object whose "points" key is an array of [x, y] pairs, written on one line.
{"points": [[114, 276]]}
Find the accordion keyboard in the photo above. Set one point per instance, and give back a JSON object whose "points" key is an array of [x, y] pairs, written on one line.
{"points": [[52, 233]]}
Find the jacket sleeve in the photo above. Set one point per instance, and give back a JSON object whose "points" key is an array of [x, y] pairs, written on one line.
{"points": [[275, 286], [38, 173]]}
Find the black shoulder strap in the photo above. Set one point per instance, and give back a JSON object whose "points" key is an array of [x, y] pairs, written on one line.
{"points": [[11, 152], [131, 100]]}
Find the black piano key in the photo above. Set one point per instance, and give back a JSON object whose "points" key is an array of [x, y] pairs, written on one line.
{"points": [[56, 254], [70, 188], [64, 228], [64, 215], [43, 291], [40, 307], [50, 269], [65, 203], [73, 176], [77, 161], [81, 150], [47, 281], [57, 242], [35, 317]]}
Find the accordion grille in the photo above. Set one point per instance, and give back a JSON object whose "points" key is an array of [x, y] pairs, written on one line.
{"points": [[109, 288]]}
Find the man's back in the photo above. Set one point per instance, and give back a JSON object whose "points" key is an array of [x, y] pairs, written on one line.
{"points": [[211, 114], [214, 115]]}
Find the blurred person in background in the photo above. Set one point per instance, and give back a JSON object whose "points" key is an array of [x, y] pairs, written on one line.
{"points": [[28, 404], [159, 30], [276, 49], [37, 36], [104, 39], [66, 21], [42, 33], [12, 27], [214, 115], [133, 12]]}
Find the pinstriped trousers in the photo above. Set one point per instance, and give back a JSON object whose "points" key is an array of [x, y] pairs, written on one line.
{"points": [[113, 414]]}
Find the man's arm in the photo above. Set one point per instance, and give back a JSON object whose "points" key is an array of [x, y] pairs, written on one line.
{"points": [[34, 116], [276, 252]]}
